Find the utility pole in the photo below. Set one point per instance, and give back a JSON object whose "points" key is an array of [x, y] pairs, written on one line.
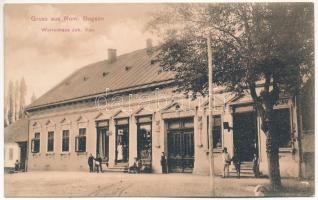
{"points": [[211, 158]]}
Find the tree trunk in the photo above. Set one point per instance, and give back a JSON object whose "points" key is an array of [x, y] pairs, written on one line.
{"points": [[272, 150]]}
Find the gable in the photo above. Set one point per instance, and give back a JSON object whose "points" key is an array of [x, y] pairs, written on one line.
{"points": [[102, 116], [81, 119], [121, 114], [142, 111]]}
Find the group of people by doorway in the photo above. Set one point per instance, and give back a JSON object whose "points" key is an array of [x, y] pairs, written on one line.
{"points": [[95, 164], [227, 160], [138, 166]]}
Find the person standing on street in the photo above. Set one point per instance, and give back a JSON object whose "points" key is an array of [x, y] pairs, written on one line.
{"points": [[163, 162], [17, 165], [91, 163], [237, 162], [226, 162], [98, 163]]}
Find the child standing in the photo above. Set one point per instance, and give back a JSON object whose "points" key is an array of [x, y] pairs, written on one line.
{"points": [[226, 162]]}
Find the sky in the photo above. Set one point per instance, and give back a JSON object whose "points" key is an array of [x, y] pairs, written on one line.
{"points": [[46, 58]]}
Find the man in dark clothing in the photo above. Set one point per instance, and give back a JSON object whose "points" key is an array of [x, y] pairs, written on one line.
{"points": [[16, 166], [98, 159], [163, 162], [91, 163], [237, 163]]}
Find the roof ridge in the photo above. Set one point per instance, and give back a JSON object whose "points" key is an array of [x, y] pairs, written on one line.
{"points": [[140, 57], [81, 68]]}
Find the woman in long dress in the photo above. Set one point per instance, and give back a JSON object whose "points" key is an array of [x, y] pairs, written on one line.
{"points": [[119, 152]]}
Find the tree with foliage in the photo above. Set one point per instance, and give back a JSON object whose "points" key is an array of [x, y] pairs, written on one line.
{"points": [[23, 91], [255, 45]]}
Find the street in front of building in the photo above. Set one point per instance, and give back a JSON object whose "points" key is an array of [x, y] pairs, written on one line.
{"points": [[76, 184]]}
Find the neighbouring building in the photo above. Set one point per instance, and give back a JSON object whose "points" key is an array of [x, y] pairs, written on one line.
{"points": [[15, 144], [124, 107]]}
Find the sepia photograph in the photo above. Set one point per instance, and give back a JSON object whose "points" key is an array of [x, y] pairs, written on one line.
{"points": [[157, 99]]}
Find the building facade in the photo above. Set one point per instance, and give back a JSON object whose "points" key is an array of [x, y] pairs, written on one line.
{"points": [[125, 109], [15, 144]]}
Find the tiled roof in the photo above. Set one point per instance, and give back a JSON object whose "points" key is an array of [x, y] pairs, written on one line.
{"points": [[129, 70], [16, 132]]}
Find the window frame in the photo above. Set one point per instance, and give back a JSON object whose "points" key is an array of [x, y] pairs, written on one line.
{"points": [[36, 138], [48, 142], [290, 145], [68, 141], [79, 137], [221, 131]]}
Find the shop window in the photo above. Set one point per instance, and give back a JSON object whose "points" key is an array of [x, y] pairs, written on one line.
{"points": [[80, 141], [281, 125], [35, 143], [144, 144], [65, 140], [217, 131], [50, 141]]}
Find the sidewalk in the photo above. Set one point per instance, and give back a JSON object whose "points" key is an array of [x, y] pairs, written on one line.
{"points": [[76, 184]]}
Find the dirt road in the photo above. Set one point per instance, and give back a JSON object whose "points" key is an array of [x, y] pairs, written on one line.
{"points": [[84, 184]]}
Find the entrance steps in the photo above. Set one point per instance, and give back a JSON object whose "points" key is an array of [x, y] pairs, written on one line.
{"points": [[246, 170], [119, 167]]}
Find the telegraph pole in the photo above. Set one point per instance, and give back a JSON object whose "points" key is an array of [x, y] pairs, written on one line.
{"points": [[211, 158]]}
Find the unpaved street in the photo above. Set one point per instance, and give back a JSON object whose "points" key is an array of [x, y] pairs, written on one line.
{"points": [[67, 184]]}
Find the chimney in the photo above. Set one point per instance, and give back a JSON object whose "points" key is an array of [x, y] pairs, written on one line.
{"points": [[149, 46], [112, 55]]}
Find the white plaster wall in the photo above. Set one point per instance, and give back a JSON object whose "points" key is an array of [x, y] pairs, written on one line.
{"points": [[16, 154]]}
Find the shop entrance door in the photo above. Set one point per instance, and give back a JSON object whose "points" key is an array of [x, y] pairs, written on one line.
{"points": [[103, 143], [245, 135], [180, 145], [122, 143]]}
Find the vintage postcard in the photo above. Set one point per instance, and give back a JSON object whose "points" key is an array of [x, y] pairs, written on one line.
{"points": [[159, 99]]}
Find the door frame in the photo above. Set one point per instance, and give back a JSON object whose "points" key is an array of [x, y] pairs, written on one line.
{"points": [[182, 129], [256, 144], [151, 150], [118, 126], [98, 129]]}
